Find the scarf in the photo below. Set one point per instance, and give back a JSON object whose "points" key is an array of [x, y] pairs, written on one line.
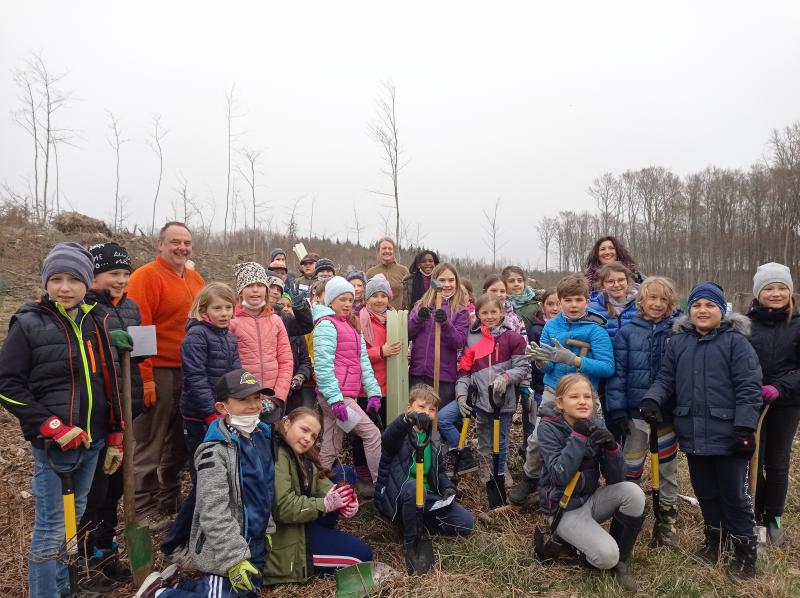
{"points": [[365, 317], [521, 300]]}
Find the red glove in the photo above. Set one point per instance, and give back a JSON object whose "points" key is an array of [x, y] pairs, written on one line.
{"points": [[67, 437]]}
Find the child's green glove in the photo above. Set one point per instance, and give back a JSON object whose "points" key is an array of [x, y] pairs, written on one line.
{"points": [[239, 576], [121, 340]]}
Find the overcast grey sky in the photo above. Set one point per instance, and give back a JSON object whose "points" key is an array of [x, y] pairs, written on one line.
{"points": [[528, 101]]}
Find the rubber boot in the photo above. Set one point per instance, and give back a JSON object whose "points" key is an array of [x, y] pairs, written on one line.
{"points": [[524, 488], [775, 533], [713, 544], [664, 532], [625, 529], [743, 563]]}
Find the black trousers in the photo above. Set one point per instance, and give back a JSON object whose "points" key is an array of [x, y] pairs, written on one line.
{"points": [[777, 434], [99, 522], [720, 484]]}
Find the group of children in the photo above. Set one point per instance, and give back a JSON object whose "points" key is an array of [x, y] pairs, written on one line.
{"points": [[278, 371]]}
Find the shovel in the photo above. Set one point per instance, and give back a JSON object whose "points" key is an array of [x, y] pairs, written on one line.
{"points": [[437, 336], [547, 546], [137, 537], [752, 474], [496, 486], [419, 554], [462, 439]]}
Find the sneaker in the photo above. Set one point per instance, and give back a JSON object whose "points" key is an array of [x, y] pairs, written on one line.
{"points": [[157, 580], [775, 533], [520, 493]]}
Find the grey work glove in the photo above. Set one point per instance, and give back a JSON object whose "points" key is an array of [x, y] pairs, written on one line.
{"points": [[500, 384], [464, 407], [560, 354]]}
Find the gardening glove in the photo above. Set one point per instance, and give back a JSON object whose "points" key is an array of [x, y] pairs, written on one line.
{"points": [[297, 382], [424, 313], [418, 419], [374, 404], [744, 442], [561, 354], [239, 576], [500, 384], [525, 397], [340, 411], [651, 412], [584, 427], [464, 407], [150, 396], [540, 354], [121, 340], [440, 316], [114, 453], [67, 437], [334, 500], [602, 438], [769, 393]]}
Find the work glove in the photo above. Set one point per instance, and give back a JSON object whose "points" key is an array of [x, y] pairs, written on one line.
{"points": [[121, 340], [293, 290], [525, 398], [584, 427], [239, 576], [374, 404], [440, 316], [464, 407], [540, 354], [602, 438], [335, 500], [418, 419], [561, 354], [424, 313], [340, 411], [500, 384], [149, 394], [67, 437], [297, 382], [114, 453], [769, 393], [744, 442], [651, 412]]}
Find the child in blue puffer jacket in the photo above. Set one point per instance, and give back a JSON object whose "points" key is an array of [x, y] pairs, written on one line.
{"points": [[638, 350], [710, 379]]}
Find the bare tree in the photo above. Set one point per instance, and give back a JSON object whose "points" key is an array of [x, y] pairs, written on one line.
{"points": [[546, 230], [231, 113], [248, 173], [311, 219], [384, 130], [116, 141], [358, 227], [492, 230], [155, 145], [292, 226]]}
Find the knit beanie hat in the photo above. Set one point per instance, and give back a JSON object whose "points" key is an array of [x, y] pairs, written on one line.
{"points": [[275, 253], [110, 256], [249, 273], [769, 273], [356, 274], [69, 258], [378, 284], [275, 281], [324, 264], [710, 291], [336, 286]]}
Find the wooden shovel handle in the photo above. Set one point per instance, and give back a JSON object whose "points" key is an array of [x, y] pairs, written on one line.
{"points": [[437, 345]]}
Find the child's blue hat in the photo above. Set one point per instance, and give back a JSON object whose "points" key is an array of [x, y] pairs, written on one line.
{"points": [[710, 291]]}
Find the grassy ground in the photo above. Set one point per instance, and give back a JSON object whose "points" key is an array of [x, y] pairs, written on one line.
{"points": [[495, 561]]}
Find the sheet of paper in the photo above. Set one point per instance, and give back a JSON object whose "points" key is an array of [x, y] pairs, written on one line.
{"points": [[442, 503], [144, 340], [353, 418]]}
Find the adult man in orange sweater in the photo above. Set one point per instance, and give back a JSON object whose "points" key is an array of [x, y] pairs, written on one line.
{"points": [[164, 289]]}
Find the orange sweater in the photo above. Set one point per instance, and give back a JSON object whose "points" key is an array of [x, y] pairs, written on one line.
{"points": [[164, 299]]}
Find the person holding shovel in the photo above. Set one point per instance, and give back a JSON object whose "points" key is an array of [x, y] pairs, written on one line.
{"points": [[58, 377]]}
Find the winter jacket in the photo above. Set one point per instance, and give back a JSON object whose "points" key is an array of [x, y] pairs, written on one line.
{"points": [[264, 349], [208, 353], [397, 457], [52, 365], [777, 344], [638, 351], [297, 323], [598, 305], [710, 383], [514, 320], [414, 287], [454, 337], [534, 334], [598, 363], [121, 315], [491, 353], [394, 274], [377, 360], [298, 502], [219, 532], [302, 362], [564, 452], [341, 360]]}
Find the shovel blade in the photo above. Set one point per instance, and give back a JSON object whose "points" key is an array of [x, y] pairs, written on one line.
{"points": [[419, 556], [140, 551], [549, 548], [496, 491]]}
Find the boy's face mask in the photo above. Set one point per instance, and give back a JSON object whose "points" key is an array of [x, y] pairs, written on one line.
{"points": [[244, 423]]}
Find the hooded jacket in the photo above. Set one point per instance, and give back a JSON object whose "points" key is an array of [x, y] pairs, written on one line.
{"points": [[454, 337], [498, 351], [264, 349], [599, 305], [208, 353], [52, 365], [638, 351], [711, 383], [565, 451], [341, 362], [777, 344]]}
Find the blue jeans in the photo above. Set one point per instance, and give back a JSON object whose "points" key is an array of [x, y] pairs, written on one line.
{"points": [[450, 423], [47, 568]]}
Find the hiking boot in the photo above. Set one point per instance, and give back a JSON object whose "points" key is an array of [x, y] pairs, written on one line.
{"points": [[775, 533], [713, 544], [519, 493], [664, 532], [108, 562], [365, 489], [625, 529], [95, 582], [743, 563], [465, 461]]}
